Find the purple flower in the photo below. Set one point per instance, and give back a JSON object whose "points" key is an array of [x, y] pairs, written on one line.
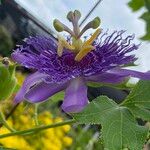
{"points": [[67, 69]]}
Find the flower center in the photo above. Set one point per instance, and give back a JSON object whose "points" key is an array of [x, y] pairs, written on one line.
{"points": [[77, 45]]}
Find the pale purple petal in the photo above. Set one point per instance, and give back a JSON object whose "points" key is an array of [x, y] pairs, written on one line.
{"points": [[28, 83], [107, 78], [43, 91], [29, 53], [132, 73], [118, 75], [75, 96]]}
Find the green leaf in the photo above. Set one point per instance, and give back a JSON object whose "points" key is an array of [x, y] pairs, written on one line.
{"points": [[58, 96], [119, 128], [124, 85], [138, 101], [7, 81], [5, 148], [146, 18], [147, 4], [136, 4]]}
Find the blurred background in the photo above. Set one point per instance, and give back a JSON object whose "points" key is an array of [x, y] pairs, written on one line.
{"points": [[23, 18]]}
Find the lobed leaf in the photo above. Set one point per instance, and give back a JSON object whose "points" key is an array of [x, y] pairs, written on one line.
{"points": [[119, 128], [138, 101]]}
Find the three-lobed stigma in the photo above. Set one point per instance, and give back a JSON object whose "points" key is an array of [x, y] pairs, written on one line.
{"points": [[76, 45]]}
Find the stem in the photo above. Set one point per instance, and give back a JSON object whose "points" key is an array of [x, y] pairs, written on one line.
{"points": [[36, 115], [4, 122], [37, 129], [10, 113]]}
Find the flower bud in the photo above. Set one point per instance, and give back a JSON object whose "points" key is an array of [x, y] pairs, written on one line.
{"points": [[5, 61], [58, 25], [96, 22]]}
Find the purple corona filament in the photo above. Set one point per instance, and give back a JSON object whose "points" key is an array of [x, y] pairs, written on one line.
{"points": [[67, 69]]}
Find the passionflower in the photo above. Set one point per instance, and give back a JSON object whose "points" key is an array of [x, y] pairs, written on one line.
{"points": [[69, 64]]}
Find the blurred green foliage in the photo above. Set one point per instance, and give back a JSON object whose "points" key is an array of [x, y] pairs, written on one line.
{"points": [[136, 5], [6, 43], [88, 138], [7, 81], [51, 139], [1, 1]]}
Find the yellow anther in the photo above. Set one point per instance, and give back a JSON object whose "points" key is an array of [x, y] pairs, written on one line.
{"points": [[62, 43], [84, 52], [92, 38], [82, 49], [87, 46]]}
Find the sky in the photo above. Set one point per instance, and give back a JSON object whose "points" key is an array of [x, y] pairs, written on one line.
{"points": [[114, 14]]}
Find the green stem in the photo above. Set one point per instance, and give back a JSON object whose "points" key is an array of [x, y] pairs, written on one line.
{"points": [[4, 122], [37, 129], [36, 115]]}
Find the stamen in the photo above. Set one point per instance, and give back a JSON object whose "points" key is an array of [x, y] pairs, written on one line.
{"points": [[93, 37], [62, 43], [87, 47], [84, 52], [77, 45]]}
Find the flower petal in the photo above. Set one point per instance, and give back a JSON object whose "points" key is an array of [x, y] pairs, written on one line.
{"points": [[132, 73], [29, 53], [118, 75], [43, 91], [106, 78], [28, 83], [75, 96]]}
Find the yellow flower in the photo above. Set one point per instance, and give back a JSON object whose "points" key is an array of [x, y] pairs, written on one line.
{"points": [[20, 78], [66, 128], [67, 141], [59, 132], [58, 119], [51, 139]]}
